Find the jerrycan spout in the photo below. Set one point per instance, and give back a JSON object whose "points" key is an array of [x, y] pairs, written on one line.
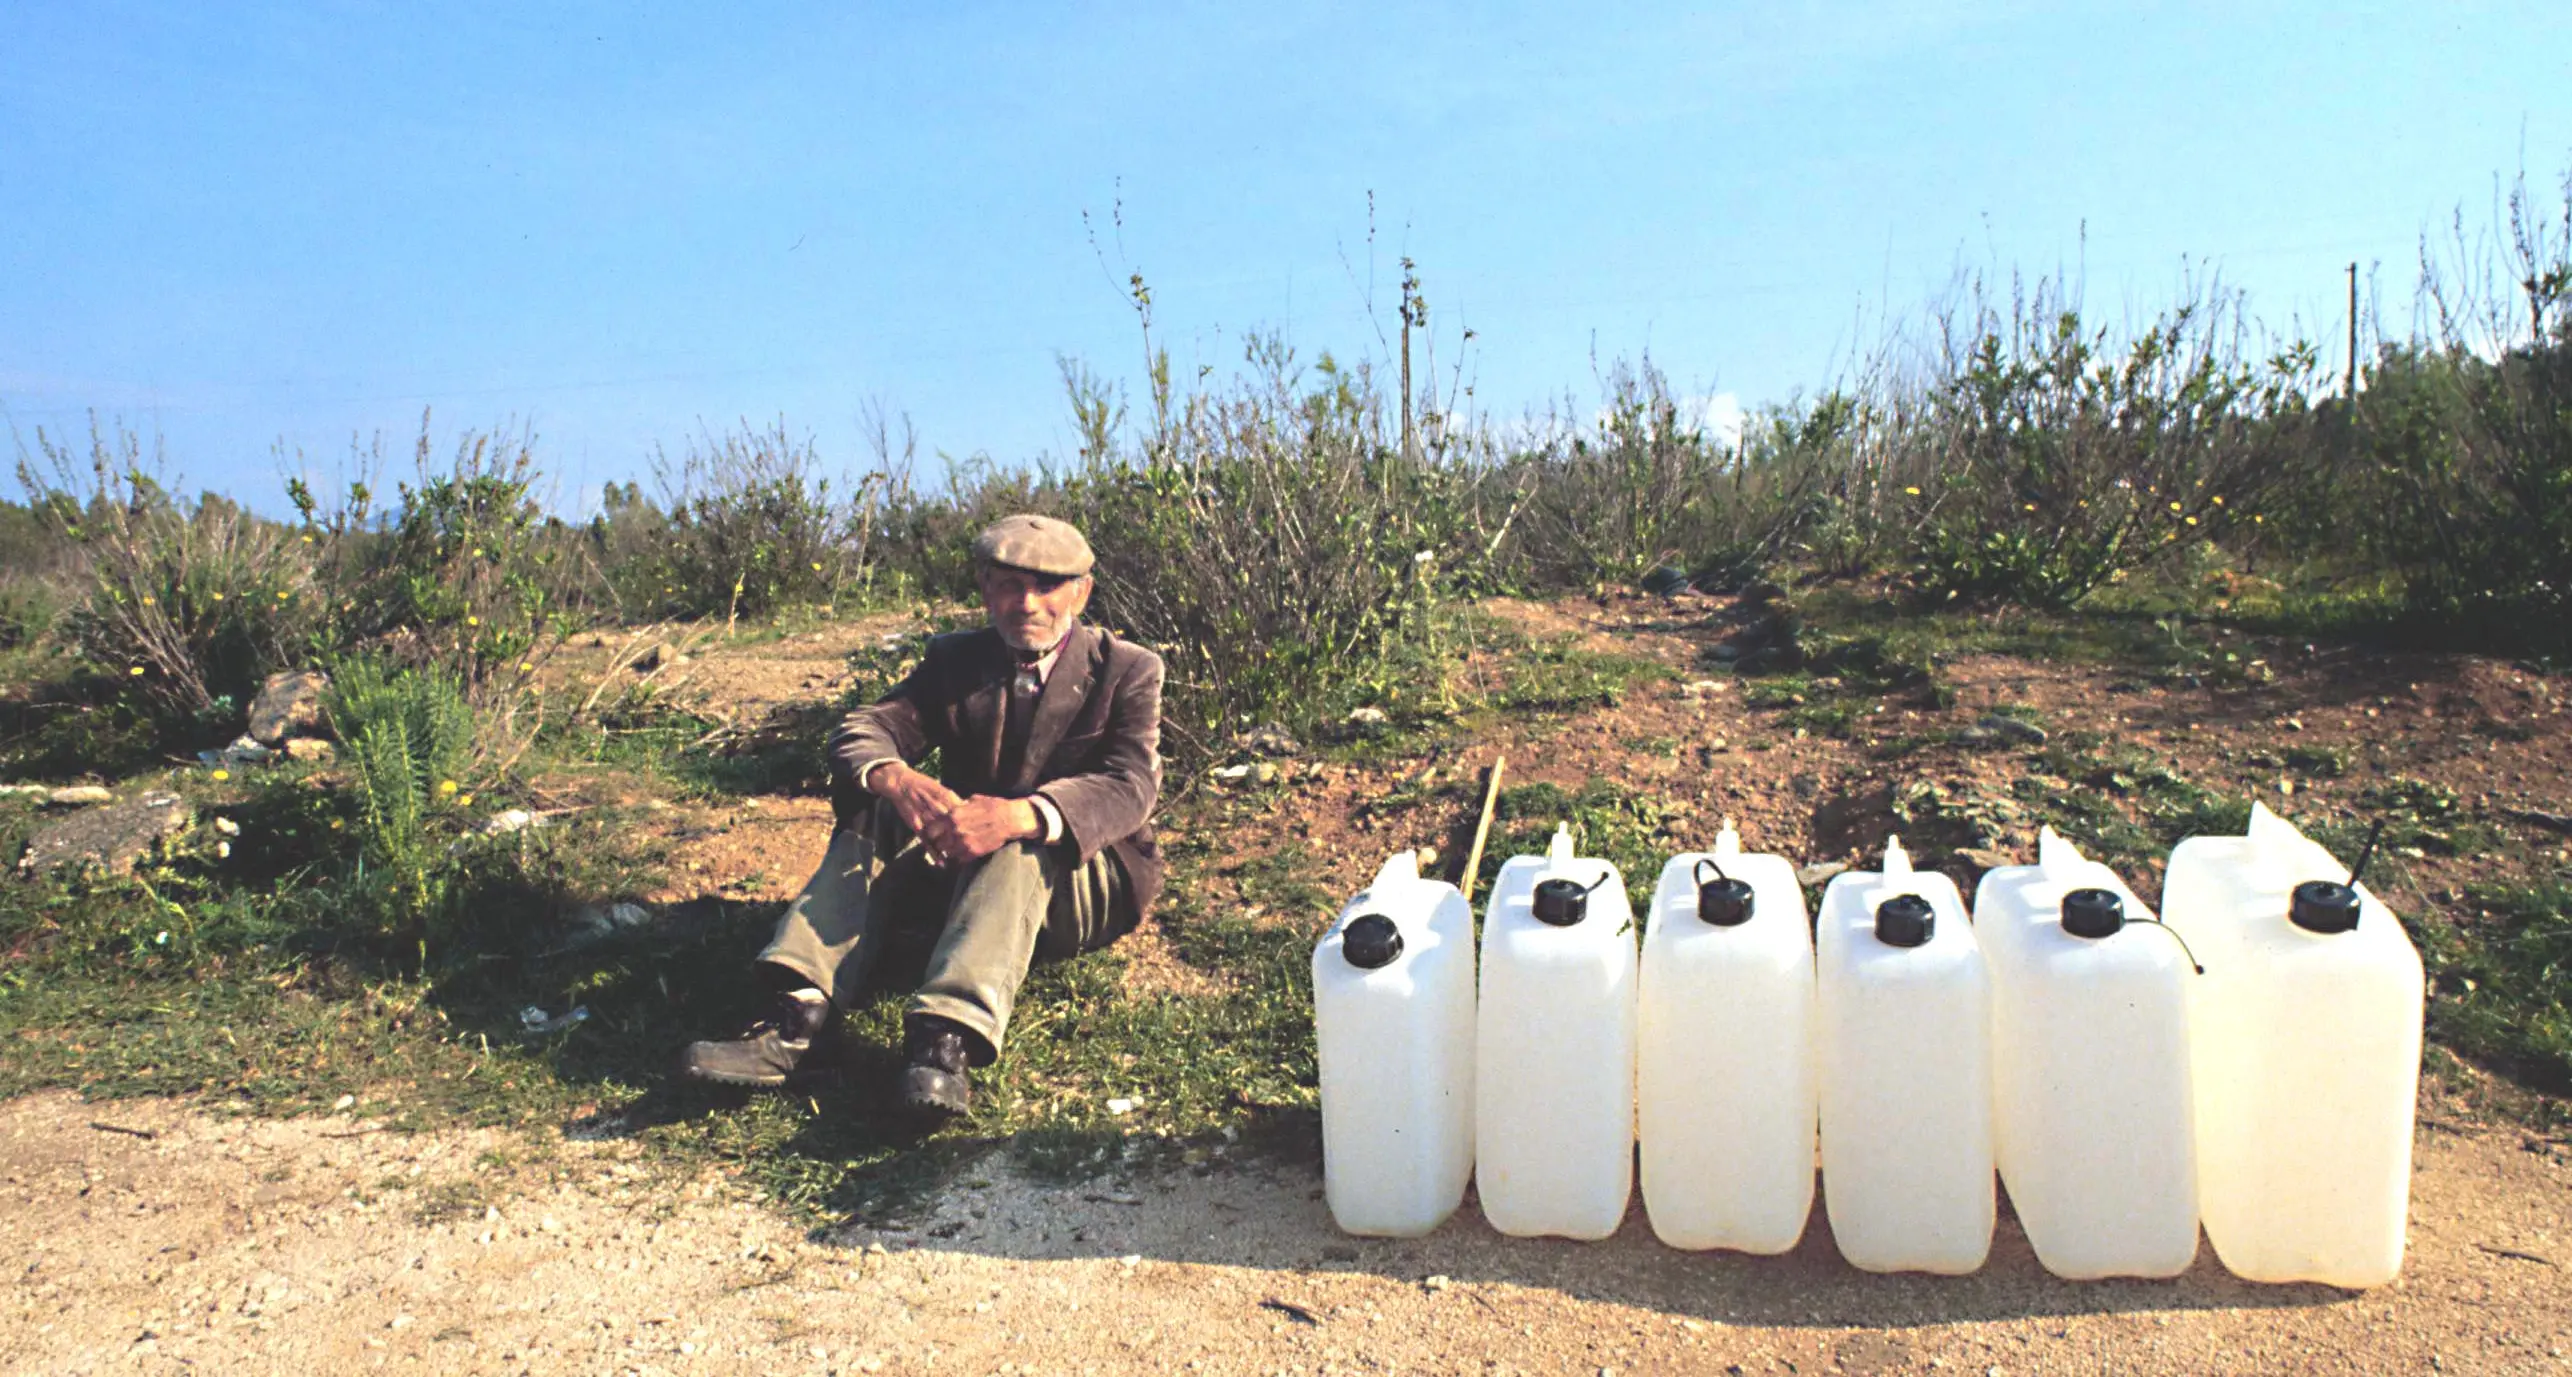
{"points": [[1402, 867], [1728, 842], [1897, 862], [2057, 858], [1559, 850]]}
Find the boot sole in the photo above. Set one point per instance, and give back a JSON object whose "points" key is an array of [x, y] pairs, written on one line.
{"points": [[776, 1082]]}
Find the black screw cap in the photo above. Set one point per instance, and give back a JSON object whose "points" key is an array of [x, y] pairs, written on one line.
{"points": [[1561, 903], [1370, 940], [2323, 906], [1905, 920], [2093, 913], [1724, 902]]}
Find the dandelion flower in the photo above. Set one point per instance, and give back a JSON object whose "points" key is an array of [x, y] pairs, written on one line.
{"points": [[1915, 492], [473, 621], [2192, 521], [336, 824], [464, 800], [147, 600], [446, 787], [218, 597], [477, 552], [138, 671], [2174, 506], [2031, 506], [222, 774], [523, 666], [2219, 501], [817, 566], [283, 595]]}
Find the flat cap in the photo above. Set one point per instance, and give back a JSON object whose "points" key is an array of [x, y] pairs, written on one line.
{"points": [[1037, 544]]}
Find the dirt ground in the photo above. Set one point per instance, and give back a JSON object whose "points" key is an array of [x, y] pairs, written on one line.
{"points": [[160, 1236], [155, 1237]]}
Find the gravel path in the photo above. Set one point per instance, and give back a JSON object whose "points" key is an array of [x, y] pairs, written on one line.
{"points": [[153, 1236]]}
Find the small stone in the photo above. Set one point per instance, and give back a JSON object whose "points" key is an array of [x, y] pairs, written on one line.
{"points": [[510, 820], [343, 1102], [289, 704], [80, 796], [1367, 717], [1719, 744], [1437, 1283], [1272, 740], [2016, 730], [1120, 1105], [227, 827], [591, 924], [310, 750], [1820, 872], [115, 836]]}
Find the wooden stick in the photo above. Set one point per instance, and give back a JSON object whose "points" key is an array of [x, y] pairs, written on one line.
{"points": [[1482, 829]]}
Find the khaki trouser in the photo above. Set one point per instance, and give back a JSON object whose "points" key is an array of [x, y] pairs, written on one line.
{"points": [[1021, 902]]}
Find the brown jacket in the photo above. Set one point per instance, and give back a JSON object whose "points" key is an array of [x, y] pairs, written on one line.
{"points": [[1093, 747]]}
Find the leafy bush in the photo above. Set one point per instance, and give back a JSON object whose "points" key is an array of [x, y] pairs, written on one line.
{"points": [[2052, 461], [466, 570], [188, 605], [1273, 542], [750, 525], [2469, 475]]}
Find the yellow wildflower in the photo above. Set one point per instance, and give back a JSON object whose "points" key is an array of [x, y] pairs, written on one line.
{"points": [[138, 671], [222, 774], [446, 787]]}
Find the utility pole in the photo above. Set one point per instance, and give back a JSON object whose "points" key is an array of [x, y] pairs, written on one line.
{"points": [[2350, 390]]}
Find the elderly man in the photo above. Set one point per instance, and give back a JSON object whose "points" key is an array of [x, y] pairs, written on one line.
{"points": [[1036, 841]]}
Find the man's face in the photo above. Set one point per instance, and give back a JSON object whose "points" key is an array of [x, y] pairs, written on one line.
{"points": [[1032, 611]]}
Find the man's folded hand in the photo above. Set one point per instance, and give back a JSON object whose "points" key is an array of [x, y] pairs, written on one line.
{"points": [[977, 826]]}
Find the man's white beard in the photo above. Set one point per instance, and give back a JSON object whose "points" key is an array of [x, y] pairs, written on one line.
{"points": [[1018, 641]]}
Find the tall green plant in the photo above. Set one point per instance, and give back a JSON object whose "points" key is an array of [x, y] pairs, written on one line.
{"points": [[408, 735]]}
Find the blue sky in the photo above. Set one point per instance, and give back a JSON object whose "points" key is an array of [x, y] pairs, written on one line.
{"points": [[240, 226]]}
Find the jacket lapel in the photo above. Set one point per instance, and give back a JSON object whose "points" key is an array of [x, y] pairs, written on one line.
{"points": [[1065, 690], [985, 705]]}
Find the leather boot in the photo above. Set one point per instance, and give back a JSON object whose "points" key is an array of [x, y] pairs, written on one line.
{"points": [[935, 1054], [783, 1040]]}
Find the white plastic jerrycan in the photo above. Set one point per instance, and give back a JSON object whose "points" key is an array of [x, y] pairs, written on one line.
{"points": [[2306, 1030], [1554, 1053], [1905, 1053], [1724, 1079], [2092, 1120], [1393, 1020]]}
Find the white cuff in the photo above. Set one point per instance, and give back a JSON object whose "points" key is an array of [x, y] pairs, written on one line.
{"points": [[1050, 816], [869, 768]]}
